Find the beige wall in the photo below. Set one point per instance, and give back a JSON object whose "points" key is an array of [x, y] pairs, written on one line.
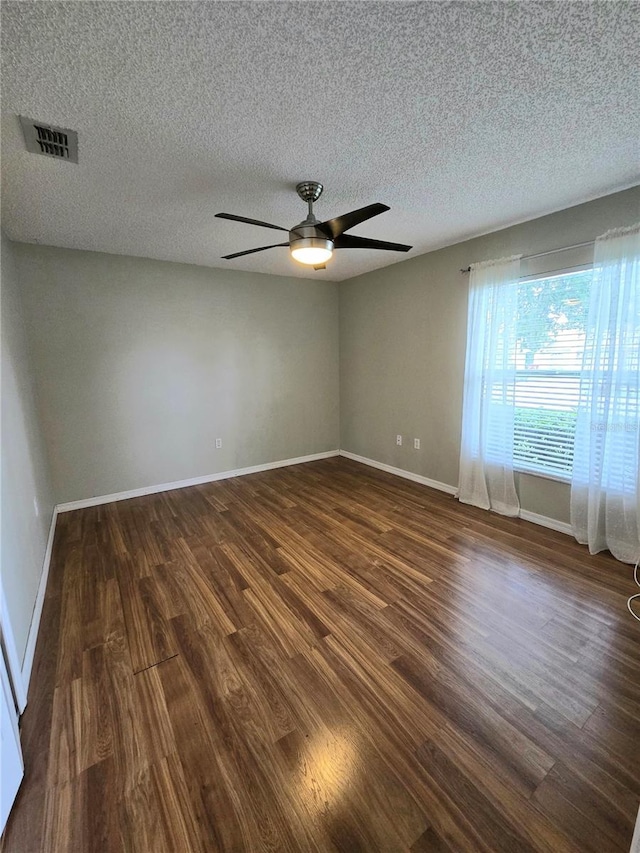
{"points": [[403, 338], [25, 473], [142, 364]]}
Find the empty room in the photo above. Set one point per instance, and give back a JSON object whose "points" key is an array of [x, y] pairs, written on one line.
{"points": [[320, 427]]}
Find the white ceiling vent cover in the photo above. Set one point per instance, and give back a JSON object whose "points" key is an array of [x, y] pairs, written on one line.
{"points": [[58, 142]]}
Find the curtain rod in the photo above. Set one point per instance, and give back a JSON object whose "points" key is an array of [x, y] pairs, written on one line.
{"points": [[550, 252]]}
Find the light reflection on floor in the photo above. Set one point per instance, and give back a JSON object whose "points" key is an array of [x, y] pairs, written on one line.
{"points": [[328, 768]]}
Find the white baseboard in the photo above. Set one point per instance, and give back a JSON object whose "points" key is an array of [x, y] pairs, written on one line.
{"points": [[534, 517], [400, 472], [27, 663], [193, 481], [545, 521]]}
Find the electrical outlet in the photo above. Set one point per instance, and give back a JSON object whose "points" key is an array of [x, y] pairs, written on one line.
{"points": [[36, 508], [416, 444], [399, 440], [218, 443]]}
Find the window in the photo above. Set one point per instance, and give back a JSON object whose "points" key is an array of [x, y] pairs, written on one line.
{"points": [[550, 334]]}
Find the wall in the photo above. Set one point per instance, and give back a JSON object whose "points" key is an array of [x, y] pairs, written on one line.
{"points": [[142, 364], [25, 472], [403, 339]]}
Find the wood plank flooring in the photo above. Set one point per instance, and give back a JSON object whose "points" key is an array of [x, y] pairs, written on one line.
{"points": [[328, 658]]}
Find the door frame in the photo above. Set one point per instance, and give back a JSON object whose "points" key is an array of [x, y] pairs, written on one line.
{"points": [[12, 759], [11, 655]]}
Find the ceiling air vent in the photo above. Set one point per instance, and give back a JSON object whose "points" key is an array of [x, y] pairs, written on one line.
{"points": [[58, 142]]}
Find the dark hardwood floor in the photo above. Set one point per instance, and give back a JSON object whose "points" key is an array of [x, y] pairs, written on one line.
{"points": [[325, 658]]}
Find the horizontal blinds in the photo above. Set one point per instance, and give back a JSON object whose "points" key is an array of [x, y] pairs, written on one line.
{"points": [[551, 320]]}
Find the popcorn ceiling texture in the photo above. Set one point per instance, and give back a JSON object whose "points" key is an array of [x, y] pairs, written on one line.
{"points": [[463, 117]]}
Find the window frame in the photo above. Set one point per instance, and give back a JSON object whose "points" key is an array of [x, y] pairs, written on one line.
{"points": [[518, 467]]}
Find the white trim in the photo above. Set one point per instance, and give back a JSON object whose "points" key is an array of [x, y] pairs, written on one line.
{"points": [[542, 520], [12, 761], [546, 521], [400, 472], [193, 481], [555, 478], [13, 660], [535, 518], [21, 673], [27, 663], [635, 841]]}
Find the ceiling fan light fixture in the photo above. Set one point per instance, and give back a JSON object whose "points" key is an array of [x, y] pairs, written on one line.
{"points": [[312, 251]]}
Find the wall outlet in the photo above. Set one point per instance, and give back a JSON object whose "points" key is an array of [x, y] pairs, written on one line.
{"points": [[218, 443], [399, 440], [36, 508], [416, 444]]}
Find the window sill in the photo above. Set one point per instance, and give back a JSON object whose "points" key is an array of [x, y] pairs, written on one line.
{"points": [[557, 478]]}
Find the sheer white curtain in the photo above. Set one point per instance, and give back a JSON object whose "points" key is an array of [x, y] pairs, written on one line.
{"points": [[486, 453], [605, 489]]}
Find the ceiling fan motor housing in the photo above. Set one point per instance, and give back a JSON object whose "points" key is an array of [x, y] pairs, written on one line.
{"points": [[309, 234]]}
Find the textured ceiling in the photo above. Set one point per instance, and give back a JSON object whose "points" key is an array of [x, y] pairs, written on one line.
{"points": [[463, 117]]}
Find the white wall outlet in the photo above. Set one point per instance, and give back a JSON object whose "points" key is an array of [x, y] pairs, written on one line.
{"points": [[416, 444], [36, 508], [218, 443], [399, 440]]}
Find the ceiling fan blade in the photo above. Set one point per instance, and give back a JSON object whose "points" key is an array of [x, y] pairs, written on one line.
{"points": [[350, 241], [235, 218], [251, 251], [340, 224]]}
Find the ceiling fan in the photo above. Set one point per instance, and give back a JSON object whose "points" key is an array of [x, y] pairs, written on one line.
{"points": [[312, 242]]}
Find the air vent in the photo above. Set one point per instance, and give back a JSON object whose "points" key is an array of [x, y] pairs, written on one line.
{"points": [[58, 142]]}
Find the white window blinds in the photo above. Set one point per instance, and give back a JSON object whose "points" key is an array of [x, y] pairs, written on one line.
{"points": [[550, 338]]}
